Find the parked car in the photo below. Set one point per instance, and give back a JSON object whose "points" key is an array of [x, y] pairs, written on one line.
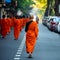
{"points": [[57, 26], [52, 22]]}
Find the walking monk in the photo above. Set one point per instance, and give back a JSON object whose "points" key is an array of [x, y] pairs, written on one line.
{"points": [[31, 30], [16, 28], [3, 27], [8, 24]]}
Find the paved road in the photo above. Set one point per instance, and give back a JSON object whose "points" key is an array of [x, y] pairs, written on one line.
{"points": [[47, 46], [9, 46]]}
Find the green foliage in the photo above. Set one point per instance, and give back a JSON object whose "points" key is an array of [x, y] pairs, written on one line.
{"points": [[24, 5], [51, 7], [42, 1], [52, 12]]}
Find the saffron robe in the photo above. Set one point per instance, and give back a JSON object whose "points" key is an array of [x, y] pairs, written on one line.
{"points": [[16, 28], [4, 27], [31, 36]]}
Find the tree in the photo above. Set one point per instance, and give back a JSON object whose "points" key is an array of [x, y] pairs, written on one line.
{"points": [[25, 5], [50, 6], [41, 5]]}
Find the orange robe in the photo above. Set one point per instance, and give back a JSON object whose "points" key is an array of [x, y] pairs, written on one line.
{"points": [[16, 28], [12, 22], [24, 20], [8, 25], [21, 24], [27, 20], [4, 27], [31, 36]]}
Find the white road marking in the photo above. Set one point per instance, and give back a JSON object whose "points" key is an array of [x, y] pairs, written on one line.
{"points": [[19, 51], [16, 58], [18, 55]]}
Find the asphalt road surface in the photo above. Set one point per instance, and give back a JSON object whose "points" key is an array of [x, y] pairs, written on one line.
{"points": [[47, 46]]}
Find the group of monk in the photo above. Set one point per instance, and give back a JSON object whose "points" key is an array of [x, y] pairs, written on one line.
{"points": [[18, 23], [15, 22]]}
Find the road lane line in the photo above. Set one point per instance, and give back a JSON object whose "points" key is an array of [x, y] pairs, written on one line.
{"points": [[20, 49], [16, 58], [18, 55]]}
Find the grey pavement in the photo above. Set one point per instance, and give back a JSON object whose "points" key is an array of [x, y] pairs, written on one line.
{"points": [[9, 46], [47, 46]]}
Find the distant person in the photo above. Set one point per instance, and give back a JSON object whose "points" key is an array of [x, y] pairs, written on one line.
{"points": [[16, 28], [31, 30], [37, 19], [8, 24], [3, 26]]}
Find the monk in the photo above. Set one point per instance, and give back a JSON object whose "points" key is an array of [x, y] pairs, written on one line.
{"points": [[21, 23], [12, 21], [3, 27], [27, 19], [16, 28], [31, 30], [8, 24]]}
